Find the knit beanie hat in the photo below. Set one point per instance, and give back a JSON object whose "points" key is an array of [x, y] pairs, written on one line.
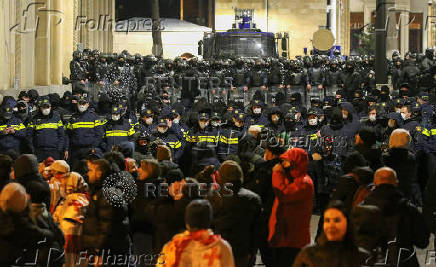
{"points": [[230, 172], [60, 166], [198, 214], [25, 165], [400, 138], [365, 174], [163, 153], [13, 198]]}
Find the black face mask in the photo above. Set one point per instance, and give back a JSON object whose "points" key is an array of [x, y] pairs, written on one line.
{"points": [[384, 97], [22, 116], [290, 125], [403, 93]]}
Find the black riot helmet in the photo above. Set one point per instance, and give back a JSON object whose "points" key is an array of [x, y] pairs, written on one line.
{"points": [[429, 53], [77, 55]]}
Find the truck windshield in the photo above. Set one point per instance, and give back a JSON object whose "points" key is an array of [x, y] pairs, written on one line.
{"points": [[245, 46]]}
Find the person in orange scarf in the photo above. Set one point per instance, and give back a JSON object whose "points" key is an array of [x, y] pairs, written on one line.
{"points": [[197, 246]]}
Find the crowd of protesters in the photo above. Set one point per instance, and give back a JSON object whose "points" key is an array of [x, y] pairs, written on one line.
{"points": [[185, 162]]}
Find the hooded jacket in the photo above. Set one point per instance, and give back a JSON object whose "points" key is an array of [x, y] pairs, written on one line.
{"points": [[200, 248], [289, 224], [352, 123]]}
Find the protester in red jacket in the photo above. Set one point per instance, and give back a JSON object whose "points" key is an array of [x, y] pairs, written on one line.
{"points": [[289, 224]]}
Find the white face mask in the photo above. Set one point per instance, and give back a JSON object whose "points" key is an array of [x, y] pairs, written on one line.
{"points": [[313, 122], [176, 121], [203, 124], [82, 108], [257, 110], [296, 117], [344, 116], [372, 118], [149, 121], [46, 111], [116, 117], [403, 115], [162, 130]]}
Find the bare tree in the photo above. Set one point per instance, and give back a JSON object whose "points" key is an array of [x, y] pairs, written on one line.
{"points": [[157, 49]]}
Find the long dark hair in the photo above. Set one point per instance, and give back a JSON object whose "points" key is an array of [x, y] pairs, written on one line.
{"points": [[348, 240]]}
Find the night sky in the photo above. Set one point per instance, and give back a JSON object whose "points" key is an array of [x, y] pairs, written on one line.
{"points": [[142, 8]]}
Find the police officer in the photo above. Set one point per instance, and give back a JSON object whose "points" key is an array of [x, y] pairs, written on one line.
{"points": [[240, 79], [117, 130], [172, 140], [84, 130], [258, 79], [275, 121], [257, 118], [276, 80], [316, 79], [333, 78], [146, 124], [350, 80], [46, 133], [12, 131], [229, 137]]}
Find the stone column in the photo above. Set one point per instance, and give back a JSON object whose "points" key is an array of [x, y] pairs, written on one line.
{"points": [[27, 46], [392, 33], [105, 28], [68, 35], [95, 31], [76, 32], [404, 28], [4, 45], [42, 46], [56, 42], [345, 27], [111, 27]]}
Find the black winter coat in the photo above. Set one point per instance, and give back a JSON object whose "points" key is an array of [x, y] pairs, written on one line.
{"points": [[407, 227], [37, 188], [404, 163], [329, 254], [105, 226], [237, 219], [22, 240]]}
